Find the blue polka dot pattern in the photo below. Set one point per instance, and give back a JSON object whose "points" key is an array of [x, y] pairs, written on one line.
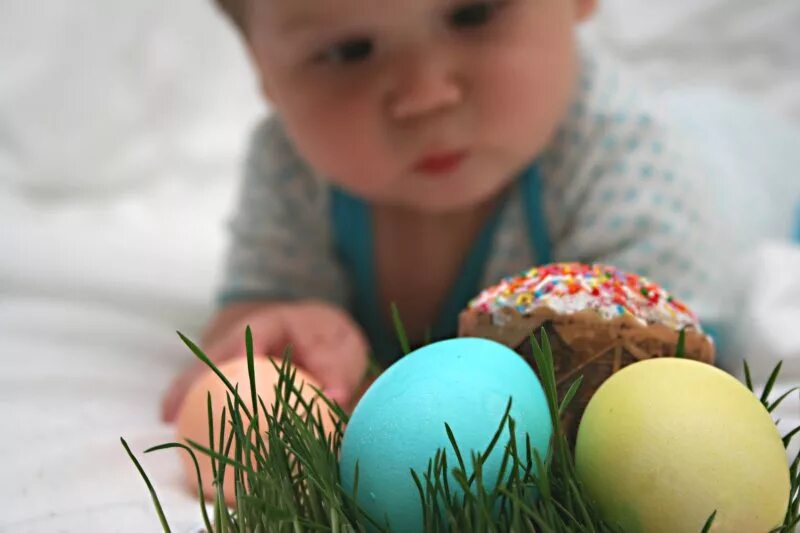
{"points": [[666, 257], [646, 247], [658, 148], [607, 196]]}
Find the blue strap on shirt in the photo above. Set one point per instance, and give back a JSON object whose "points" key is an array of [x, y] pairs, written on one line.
{"points": [[354, 238]]}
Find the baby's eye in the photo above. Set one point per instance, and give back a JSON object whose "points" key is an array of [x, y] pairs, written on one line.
{"points": [[349, 51], [474, 14]]}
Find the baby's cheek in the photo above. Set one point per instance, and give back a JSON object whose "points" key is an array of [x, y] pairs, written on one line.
{"points": [[343, 141], [525, 93]]}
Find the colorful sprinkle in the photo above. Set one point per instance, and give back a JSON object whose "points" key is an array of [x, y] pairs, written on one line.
{"points": [[567, 288]]}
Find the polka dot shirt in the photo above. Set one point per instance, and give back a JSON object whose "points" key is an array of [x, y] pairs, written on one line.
{"points": [[618, 186]]}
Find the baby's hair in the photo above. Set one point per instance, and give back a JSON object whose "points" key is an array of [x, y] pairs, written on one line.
{"points": [[235, 9]]}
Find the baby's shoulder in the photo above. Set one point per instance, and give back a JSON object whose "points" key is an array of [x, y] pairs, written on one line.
{"points": [[613, 109], [616, 129]]}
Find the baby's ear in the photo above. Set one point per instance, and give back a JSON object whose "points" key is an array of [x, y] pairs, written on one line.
{"points": [[584, 9]]}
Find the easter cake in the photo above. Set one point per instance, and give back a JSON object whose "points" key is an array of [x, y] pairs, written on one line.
{"points": [[598, 320]]}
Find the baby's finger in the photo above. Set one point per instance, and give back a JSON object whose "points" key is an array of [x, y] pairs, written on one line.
{"points": [[338, 364], [269, 337]]}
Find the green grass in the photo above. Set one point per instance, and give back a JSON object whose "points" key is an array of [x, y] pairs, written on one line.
{"points": [[296, 485]]}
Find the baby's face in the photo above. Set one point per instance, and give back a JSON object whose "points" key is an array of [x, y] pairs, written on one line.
{"points": [[433, 105]]}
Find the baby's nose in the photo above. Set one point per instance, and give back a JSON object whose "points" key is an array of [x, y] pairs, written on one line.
{"points": [[424, 84]]}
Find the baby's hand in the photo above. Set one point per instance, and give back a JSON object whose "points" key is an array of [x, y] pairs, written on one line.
{"points": [[324, 341]]}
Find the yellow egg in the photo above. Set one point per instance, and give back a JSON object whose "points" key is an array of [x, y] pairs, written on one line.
{"points": [[192, 419], [665, 442]]}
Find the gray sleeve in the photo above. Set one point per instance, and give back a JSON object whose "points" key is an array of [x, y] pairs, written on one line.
{"points": [[281, 246]]}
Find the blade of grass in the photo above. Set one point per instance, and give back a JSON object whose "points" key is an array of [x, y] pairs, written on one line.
{"points": [[787, 439], [210, 414], [569, 396], [503, 421], [193, 456], [747, 377], [680, 349], [251, 373], [204, 358], [770, 383], [159, 510], [709, 522], [222, 458], [780, 399], [400, 330], [454, 444]]}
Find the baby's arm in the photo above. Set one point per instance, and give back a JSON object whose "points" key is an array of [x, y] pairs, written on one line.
{"points": [[282, 278]]}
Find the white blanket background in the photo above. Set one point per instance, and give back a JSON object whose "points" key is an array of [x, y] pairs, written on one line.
{"points": [[121, 128]]}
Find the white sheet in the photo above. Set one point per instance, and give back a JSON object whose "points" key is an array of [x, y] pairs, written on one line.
{"points": [[121, 125]]}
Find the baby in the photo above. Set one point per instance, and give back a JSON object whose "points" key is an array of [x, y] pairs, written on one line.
{"points": [[423, 149]]}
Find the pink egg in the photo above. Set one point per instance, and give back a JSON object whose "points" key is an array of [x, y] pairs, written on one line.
{"points": [[192, 420]]}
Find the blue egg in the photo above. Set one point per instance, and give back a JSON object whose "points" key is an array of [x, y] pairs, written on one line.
{"points": [[400, 422]]}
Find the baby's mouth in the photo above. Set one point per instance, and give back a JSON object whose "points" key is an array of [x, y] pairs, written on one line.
{"points": [[440, 163]]}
